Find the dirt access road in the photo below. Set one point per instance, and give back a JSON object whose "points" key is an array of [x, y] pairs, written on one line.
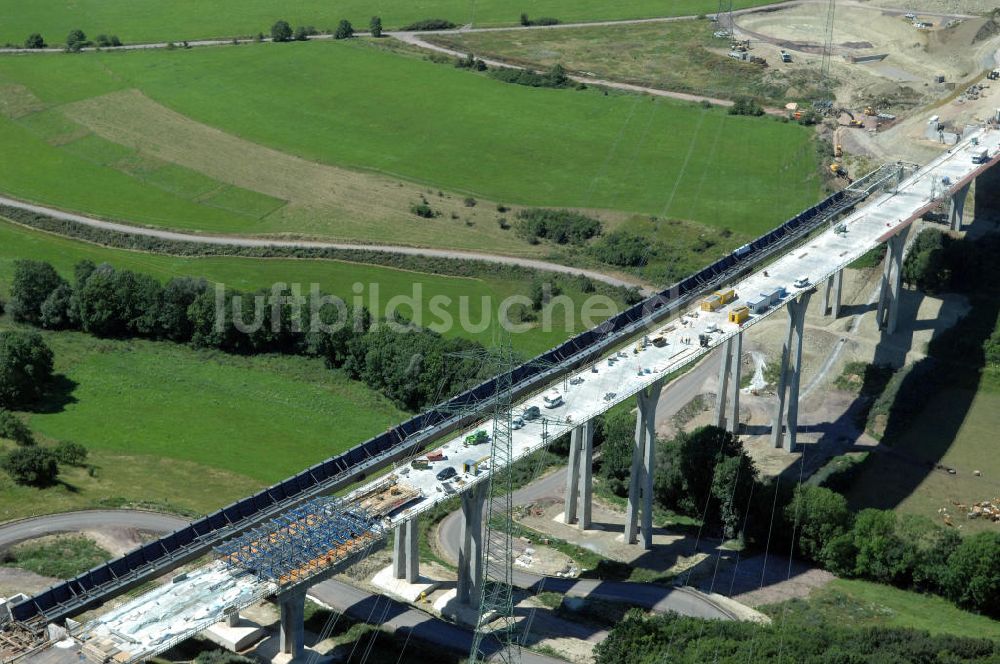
{"points": [[234, 241]]}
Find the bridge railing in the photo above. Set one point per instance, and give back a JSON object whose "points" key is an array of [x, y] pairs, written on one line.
{"points": [[159, 556]]}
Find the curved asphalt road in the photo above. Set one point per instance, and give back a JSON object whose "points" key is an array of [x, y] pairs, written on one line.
{"points": [[24, 529], [394, 616]]}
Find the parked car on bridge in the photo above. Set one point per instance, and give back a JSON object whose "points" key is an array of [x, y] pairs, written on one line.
{"points": [[447, 473]]}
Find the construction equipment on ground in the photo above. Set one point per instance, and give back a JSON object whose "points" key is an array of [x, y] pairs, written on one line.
{"points": [[838, 149], [839, 171]]}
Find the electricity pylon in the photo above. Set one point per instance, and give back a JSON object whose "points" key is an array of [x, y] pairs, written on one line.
{"points": [[827, 43], [496, 629]]}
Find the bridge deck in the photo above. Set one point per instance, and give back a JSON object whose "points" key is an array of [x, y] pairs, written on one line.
{"points": [[156, 620]]}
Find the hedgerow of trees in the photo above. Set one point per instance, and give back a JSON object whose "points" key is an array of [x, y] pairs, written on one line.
{"points": [[76, 40], [708, 476], [442, 266], [429, 24], [908, 551], [281, 31], [34, 466], [414, 368], [641, 639], [559, 226], [12, 428], [34, 40], [554, 78]]}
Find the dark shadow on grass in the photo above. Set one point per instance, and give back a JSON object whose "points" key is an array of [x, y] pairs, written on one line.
{"points": [[58, 395]]}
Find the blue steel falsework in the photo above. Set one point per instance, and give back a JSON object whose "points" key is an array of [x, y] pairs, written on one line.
{"points": [[169, 552]]}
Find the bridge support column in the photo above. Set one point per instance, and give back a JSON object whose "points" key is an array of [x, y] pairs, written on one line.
{"points": [[406, 552], [640, 491], [470, 564], [727, 402], [956, 208], [831, 296], [887, 313], [579, 475], [293, 629], [787, 412]]}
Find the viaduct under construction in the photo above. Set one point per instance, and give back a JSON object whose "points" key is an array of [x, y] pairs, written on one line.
{"points": [[278, 542]]}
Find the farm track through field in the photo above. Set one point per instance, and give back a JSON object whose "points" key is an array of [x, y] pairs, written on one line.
{"points": [[467, 29], [230, 241]]}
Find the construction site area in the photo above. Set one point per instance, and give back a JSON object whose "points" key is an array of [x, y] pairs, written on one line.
{"points": [[460, 523]]}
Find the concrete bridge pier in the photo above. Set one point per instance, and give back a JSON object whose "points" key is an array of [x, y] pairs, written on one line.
{"points": [[956, 207], [832, 294], [406, 552], [579, 476], [727, 402], [787, 412], [887, 313], [640, 491], [470, 564], [293, 630]]}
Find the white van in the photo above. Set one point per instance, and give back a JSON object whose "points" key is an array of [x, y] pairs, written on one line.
{"points": [[553, 399]]}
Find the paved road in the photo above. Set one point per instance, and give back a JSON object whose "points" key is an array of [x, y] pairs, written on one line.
{"points": [[401, 619], [232, 241], [359, 604], [17, 531], [685, 601]]}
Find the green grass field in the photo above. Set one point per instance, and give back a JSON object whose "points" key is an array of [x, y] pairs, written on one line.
{"points": [[862, 603], [682, 56], [348, 135], [58, 556], [168, 413], [155, 414], [912, 487], [150, 20], [334, 277]]}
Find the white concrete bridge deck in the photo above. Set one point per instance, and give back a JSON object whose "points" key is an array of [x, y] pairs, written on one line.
{"points": [[152, 622]]}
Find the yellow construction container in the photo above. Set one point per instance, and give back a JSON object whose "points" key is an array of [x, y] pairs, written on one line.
{"points": [[711, 303], [739, 315], [726, 296]]}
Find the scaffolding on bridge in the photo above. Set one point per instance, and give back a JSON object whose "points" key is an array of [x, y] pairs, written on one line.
{"points": [[303, 542]]}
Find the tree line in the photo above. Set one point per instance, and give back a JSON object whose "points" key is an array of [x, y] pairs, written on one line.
{"points": [[707, 475], [642, 639], [413, 366], [26, 365]]}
